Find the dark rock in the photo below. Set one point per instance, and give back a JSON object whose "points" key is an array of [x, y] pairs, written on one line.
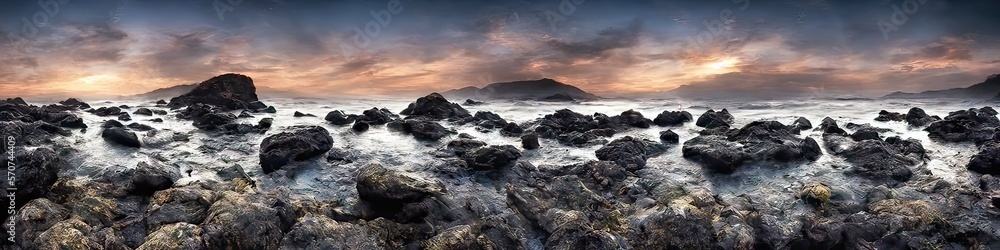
{"points": [[107, 111], [669, 137], [461, 146], [829, 126], [140, 127], [265, 123], [149, 178], [918, 118], [123, 106], [635, 119], [712, 119], [377, 116], [973, 125], [35, 217], [112, 124], [802, 123], [301, 143], [229, 91], [124, 117], [511, 129], [161, 102], [270, 109], [987, 161], [759, 141], [630, 152], [473, 102], [427, 130], [143, 111], [320, 232], [157, 120], [77, 103], [435, 106], [666, 228], [886, 116], [866, 134], [235, 221], [360, 126], [389, 191], [673, 118], [36, 172], [489, 120], [338, 117], [159, 112], [880, 160], [256, 105], [178, 205], [492, 157], [300, 114], [175, 236], [558, 98], [530, 141], [119, 136], [207, 117], [244, 114], [67, 234]]}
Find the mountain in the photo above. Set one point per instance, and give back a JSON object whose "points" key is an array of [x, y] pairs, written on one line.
{"points": [[984, 90], [533, 89]]}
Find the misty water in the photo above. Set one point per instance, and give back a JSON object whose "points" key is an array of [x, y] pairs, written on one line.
{"points": [[776, 186]]}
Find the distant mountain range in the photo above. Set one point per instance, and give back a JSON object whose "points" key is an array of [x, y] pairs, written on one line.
{"points": [[984, 90], [534, 89]]}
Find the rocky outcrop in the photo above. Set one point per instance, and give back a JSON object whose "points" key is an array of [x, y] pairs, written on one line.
{"points": [[492, 157], [300, 143], [120, 136], [388, 191], [987, 161], [759, 141], [712, 119], [574, 129], [235, 220], [422, 129], [229, 91], [630, 152], [634, 119], [338, 117], [672, 118], [435, 106], [973, 125]]}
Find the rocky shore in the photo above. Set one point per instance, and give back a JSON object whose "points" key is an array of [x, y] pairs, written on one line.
{"points": [[473, 195]]}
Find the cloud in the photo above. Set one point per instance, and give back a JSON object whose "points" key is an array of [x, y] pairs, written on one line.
{"points": [[606, 40]]}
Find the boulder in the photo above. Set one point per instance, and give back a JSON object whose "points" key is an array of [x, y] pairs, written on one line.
{"points": [[235, 221], [300, 114], [634, 119], [682, 227], [880, 160], [106, 111], [244, 114], [36, 172], [67, 234], [973, 125], [492, 157], [338, 117], [916, 117], [270, 109], [174, 236], [76, 103], [161, 102], [112, 124], [143, 111], [829, 127], [120, 136], [35, 217], [672, 118], [530, 141], [423, 129], [377, 116], [886, 116], [124, 117], [178, 205], [802, 123], [229, 91], [511, 129], [713, 119], [669, 137], [301, 143], [207, 117], [866, 134], [759, 141], [630, 152], [360, 126], [140, 127], [461, 146], [435, 106], [265, 123], [314, 231], [148, 178], [389, 190], [987, 161]]}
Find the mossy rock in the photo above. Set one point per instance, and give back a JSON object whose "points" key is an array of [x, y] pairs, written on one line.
{"points": [[816, 194]]}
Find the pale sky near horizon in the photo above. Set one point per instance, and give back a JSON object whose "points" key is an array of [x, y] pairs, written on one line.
{"points": [[125, 47]]}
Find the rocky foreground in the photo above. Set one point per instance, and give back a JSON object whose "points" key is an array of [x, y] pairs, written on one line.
{"points": [[484, 196]]}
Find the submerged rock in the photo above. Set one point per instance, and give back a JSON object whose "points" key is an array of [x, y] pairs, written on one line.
{"points": [[120, 136], [300, 114], [886, 116], [360, 126], [301, 143], [143, 111]]}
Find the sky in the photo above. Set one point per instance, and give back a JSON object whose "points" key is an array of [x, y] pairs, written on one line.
{"points": [[385, 47]]}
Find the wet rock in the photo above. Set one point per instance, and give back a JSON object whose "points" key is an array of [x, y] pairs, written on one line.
{"points": [[759, 141], [234, 220], [435, 106], [713, 119], [265, 123], [178, 205], [140, 127], [634, 119], [143, 111], [161, 102], [320, 232], [174, 236], [388, 191], [148, 178], [866, 134], [987, 161], [973, 125], [338, 117], [816, 194], [879, 160], [107, 111], [830, 127], [886, 116], [67, 234], [270, 110], [124, 117], [229, 91], [360, 126], [488, 120], [35, 217], [879, 193], [457, 237], [669, 137], [377, 116], [301, 143], [574, 129], [630, 152], [802, 123], [512, 129], [530, 141], [206, 117], [672, 118], [120, 136], [918, 118], [300, 114], [492, 157], [681, 227], [244, 114], [427, 130], [473, 102], [157, 120], [461, 146], [123, 106], [76, 103], [36, 172], [96, 211]]}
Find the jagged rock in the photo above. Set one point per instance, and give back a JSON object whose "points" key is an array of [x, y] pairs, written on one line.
{"points": [[107, 111], [973, 125], [148, 178], [918, 118], [338, 117], [35, 217], [68, 234], [229, 91], [435, 106], [124, 117], [685, 227], [987, 161], [425, 129], [558, 98], [802, 123], [672, 118], [120, 136], [206, 117], [886, 116], [360, 126], [76, 103], [377, 116], [175, 236], [712, 119], [161, 102], [530, 141], [300, 114], [512, 129], [140, 127], [388, 191], [758, 141], [143, 111], [866, 134], [880, 160], [488, 120], [178, 205], [320, 232], [630, 152], [461, 146], [244, 114], [669, 137], [830, 127], [635, 119], [574, 129], [473, 102], [236, 221], [492, 157], [301, 143]]}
